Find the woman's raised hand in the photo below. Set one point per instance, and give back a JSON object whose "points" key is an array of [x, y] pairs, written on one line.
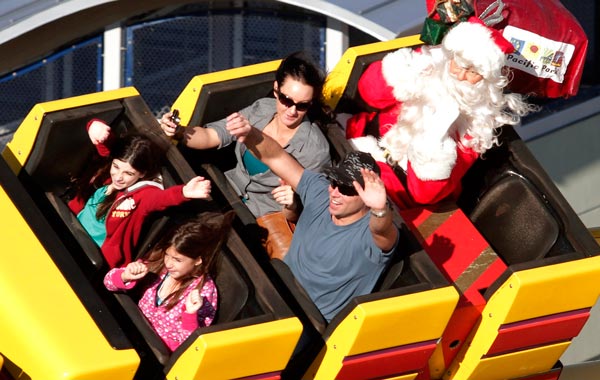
{"points": [[238, 126], [167, 125], [283, 194]]}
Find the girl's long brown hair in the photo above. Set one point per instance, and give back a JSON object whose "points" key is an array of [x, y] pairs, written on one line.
{"points": [[201, 237]]}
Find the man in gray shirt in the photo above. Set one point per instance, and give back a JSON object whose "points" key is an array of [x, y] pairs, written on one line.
{"points": [[345, 235]]}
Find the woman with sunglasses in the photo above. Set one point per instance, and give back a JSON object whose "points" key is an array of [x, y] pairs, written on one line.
{"points": [[289, 118]]}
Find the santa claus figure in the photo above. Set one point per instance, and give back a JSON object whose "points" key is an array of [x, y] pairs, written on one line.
{"points": [[440, 108]]}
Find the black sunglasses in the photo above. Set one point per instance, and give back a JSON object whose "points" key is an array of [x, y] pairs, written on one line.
{"points": [[349, 191], [289, 103]]}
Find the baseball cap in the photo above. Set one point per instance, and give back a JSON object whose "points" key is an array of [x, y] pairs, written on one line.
{"points": [[348, 169]]}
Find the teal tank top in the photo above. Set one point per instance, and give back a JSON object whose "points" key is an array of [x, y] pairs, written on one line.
{"points": [[87, 217], [253, 164]]}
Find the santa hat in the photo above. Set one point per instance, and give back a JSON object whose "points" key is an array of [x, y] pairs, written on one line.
{"points": [[476, 45]]}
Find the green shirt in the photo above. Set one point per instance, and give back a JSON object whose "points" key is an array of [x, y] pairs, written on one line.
{"points": [[87, 217]]}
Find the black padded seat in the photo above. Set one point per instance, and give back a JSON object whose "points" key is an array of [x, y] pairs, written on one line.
{"points": [[400, 271], [215, 101], [518, 209], [157, 346], [513, 215], [411, 270], [351, 102], [299, 295], [62, 151], [92, 251], [218, 100], [234, 289]]}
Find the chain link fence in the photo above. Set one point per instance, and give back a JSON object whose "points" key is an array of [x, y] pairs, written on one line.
{"points": [[71, 72], [161, 56]]}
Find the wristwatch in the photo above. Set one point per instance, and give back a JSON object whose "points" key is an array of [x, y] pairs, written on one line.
{"points": [[381, 213]]}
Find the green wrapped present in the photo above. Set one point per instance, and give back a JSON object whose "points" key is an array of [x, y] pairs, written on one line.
{"points": [[433, 31]]}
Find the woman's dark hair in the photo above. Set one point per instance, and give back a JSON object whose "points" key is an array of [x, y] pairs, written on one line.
{"points": [[200, 237], [301, 67], [138, 151]]}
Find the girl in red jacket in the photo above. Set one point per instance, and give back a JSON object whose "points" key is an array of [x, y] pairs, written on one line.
{"points": [[114, 214]]}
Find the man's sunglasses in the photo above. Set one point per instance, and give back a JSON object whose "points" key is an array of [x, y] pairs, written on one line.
{"points": [[349, 191], [289, 103]]}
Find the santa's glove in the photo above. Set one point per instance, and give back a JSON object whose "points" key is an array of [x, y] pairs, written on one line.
{"points": [[432, 153], [438, 119], [369, 145]]}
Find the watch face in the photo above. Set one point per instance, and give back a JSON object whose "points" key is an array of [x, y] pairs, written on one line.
{"points": [[379, 214]]}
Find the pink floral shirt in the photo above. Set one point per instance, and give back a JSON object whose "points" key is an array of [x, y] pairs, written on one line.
{"points": [[174, 325]]}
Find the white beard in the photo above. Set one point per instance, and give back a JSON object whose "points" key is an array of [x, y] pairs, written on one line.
{"points": [[415, 117]]}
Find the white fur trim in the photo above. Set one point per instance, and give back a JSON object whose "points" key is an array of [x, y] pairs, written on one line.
{"points": [[369, 145], [140, 184], [473, 43], [403, 70], [396, 142], [432, 161]]}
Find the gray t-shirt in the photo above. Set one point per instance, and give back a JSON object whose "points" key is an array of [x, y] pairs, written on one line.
{"points": [[308, 146], [333, 263]]}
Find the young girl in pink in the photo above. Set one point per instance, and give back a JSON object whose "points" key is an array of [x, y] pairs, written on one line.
{"points": [[113, 205], [180, 294]]}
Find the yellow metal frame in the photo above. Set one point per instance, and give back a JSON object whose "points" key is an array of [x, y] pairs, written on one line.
{"points": [[519, 364], [44, 328], [24, 137], [525, 295], [239, 352], [332, 91], [187, 100], [338, 78], [51, 342], [386, 323]]}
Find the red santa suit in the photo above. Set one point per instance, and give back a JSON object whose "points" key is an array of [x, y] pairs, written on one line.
{"points": [[423, 129]]}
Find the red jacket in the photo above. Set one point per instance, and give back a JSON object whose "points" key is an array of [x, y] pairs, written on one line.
{"points": [[126, 217], [419, 191]]}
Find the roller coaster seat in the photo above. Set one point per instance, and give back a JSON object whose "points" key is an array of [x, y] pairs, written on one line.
{"points": [[235, 302], [505, 190], [54, 163], [218, 100], [214, 96], [410, 275], [62, 149], [517, 207], [410, 272], [517, 211]]}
